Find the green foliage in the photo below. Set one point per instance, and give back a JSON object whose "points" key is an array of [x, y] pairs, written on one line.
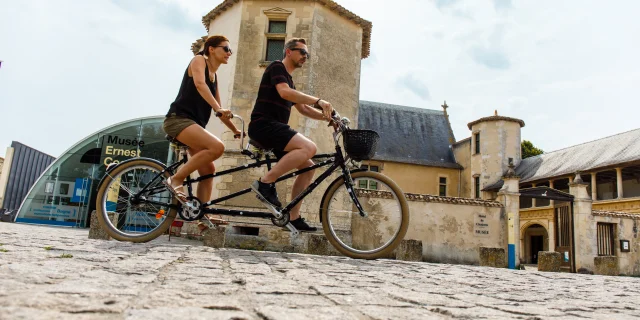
{"points": [[529, 150], [66, 255], [48, 248], [3, 250]]}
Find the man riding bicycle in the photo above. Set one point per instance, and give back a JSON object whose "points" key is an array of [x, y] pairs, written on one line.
{"points": [[269, 127]]}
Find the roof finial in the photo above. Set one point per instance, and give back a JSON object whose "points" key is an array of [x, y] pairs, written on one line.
{"points": [[445, 106], [495, 112]]}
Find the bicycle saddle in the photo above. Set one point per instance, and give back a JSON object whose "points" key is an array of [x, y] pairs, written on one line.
{"points": [[175, 141], [257, 145]]}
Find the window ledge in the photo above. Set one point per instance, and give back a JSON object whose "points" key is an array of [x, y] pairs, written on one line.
{"points": [[264, 63], [279, 36]]}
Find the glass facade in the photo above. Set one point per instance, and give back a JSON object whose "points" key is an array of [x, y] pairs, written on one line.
{"points": [[65, 193]]}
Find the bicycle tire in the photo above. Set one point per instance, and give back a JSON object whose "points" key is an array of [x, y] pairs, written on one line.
{"points": [[101, 203], [331, 234]]}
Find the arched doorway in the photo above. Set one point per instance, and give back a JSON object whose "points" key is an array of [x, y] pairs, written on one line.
{"points": [[536, 239]]}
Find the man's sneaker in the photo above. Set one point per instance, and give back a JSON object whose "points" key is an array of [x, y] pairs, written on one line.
{"points": [[267, 191], [302, 225]]}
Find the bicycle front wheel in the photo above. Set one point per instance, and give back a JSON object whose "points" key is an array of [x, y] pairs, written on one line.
{"points": [[128, 216], [383, 227]]}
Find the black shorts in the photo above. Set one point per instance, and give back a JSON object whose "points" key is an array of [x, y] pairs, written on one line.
{"points": [[271, 135]]}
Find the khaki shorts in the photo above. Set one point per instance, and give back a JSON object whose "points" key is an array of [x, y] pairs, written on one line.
{"points": [[173, 125]]}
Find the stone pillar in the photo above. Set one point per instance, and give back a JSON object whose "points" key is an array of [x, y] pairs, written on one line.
{"points": [[533, 200], [551, 230], [584, 238], [594, 189], [509, 195], [551, 202], [619, 180]]}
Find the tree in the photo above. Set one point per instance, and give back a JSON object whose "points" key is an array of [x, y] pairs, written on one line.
{"points": [[529, 150]]}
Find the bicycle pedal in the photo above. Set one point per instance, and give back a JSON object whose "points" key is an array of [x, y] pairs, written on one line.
{"points": [[293, 230], [275, 211]]}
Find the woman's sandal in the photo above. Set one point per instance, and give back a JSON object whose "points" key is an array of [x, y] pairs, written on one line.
{"points": [[180, 195]]}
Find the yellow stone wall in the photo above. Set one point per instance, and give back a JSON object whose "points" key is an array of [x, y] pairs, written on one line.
{"points": [[414, 178], [462, 153]]}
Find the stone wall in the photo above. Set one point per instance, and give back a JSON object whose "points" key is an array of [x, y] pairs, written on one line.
{"points": [[462, 153], [452, 229], [628, 262]]}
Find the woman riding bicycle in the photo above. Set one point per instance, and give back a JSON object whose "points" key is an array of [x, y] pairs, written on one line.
{"points": [[190, 113]]}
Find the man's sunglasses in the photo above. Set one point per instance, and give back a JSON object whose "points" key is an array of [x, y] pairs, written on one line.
{"points": [[227, 49], [302, 51]]}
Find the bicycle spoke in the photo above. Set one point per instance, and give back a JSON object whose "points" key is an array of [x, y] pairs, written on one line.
{"points": [[374, 233]]}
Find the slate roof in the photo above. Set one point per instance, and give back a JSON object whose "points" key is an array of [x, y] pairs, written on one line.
{"points": [[619, 148], [409, 135]]}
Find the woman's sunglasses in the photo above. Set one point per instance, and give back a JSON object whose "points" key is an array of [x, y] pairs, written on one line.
{"points": [[302, 51], [227, 49]]}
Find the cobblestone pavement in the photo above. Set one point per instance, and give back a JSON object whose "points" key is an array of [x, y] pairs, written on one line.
{"points": [[50, 273]]}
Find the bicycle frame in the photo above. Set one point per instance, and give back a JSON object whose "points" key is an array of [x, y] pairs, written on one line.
{"points": [[336, 160]]}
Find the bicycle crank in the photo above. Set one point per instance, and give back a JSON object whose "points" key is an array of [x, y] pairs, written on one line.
{"points": [[190, 210]]}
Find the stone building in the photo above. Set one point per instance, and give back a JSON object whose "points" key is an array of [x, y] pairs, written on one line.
{"points": [[337, 40]]}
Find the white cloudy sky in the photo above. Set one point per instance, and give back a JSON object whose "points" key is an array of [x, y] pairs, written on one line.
{"points": [[568, 68]]}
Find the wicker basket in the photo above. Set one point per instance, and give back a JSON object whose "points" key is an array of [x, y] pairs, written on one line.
{"points": [[360, 144]]}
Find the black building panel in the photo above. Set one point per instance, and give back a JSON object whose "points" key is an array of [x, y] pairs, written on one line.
{"points": [[27, 165]]}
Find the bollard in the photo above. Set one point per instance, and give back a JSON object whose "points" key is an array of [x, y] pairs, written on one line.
{"points": [[409, 250], [549, 261], [214, 237], [492, 257], [95, 228]]}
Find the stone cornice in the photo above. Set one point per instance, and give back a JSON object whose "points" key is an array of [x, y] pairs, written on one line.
{"points": [[615, 214], [431, 198], [195, 46], [495, 118], [330, 4]]}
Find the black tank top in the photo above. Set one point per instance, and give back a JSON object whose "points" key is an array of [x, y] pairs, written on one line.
{"points": [[189, 103]]}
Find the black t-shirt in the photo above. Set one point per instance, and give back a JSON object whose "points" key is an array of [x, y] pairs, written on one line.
{"points": [[269, 105]]}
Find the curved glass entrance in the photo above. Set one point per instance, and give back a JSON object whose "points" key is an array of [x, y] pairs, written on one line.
{"points": [[64, 194]]}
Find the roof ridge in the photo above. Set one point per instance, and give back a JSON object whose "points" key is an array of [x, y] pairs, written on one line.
{"points": [[401, 106], [586, 142], [30, 147], [366, 25]]}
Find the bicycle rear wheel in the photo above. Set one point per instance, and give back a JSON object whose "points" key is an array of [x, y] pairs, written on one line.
{"points": [[373, 236], [135, 219]]}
